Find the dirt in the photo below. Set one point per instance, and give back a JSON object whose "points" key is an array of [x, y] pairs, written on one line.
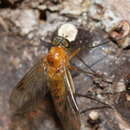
{"points": [[26, 31]]}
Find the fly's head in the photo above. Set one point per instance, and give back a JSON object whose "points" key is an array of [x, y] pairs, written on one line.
{"points": [[61, 41]]}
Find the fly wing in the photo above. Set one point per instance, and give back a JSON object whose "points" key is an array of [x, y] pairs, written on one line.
{"points": [[71, 110], [70, 89], [33, 85]]}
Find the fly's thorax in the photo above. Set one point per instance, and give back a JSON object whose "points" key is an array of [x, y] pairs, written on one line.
{"points": [[57, 59], [55, 74]]}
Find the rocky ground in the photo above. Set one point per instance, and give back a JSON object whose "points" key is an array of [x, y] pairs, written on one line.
{"points": [[27, 28]]}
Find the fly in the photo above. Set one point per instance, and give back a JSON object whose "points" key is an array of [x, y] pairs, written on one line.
{"points": [[51, 75]]}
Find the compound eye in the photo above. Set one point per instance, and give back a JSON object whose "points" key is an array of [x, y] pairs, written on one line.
{"points": [[56, 41], [65, 43], [60, 41]]}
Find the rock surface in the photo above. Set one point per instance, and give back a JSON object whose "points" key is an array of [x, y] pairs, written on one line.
{"points": [[26, 31]]}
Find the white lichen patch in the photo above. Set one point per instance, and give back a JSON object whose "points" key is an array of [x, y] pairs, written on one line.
{"points": [[68, 31]]}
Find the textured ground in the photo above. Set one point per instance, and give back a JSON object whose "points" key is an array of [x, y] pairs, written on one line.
{"points": [[27, 28]]}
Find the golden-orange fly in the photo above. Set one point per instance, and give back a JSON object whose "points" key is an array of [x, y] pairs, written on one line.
{"points": [[51, 74]]}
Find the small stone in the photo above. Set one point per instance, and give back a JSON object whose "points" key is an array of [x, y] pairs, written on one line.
{"points": [[120, 86], [93, 115], [128, 97], [120, 33]]}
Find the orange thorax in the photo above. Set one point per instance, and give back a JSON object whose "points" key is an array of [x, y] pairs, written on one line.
{"points": [[57, 59]]}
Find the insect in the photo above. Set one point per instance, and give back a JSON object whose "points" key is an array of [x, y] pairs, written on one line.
{"points": [[51, 75]]}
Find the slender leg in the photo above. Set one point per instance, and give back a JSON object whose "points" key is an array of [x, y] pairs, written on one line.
{"points": [[90, 74], [86, 96], [74, 53], [105, 105], [95, 108], [77, 69]]}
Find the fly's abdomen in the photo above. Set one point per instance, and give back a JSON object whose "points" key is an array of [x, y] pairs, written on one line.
{"points": [[67, 116], [58, 91]]}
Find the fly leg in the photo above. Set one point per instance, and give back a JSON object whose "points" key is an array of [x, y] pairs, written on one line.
{"points": [[73, 54], [92, 74]]}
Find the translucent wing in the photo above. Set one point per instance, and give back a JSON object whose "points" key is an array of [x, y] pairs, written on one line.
{"points": [[71, 108], [33, 85], [66, 107], [70, 89]]}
